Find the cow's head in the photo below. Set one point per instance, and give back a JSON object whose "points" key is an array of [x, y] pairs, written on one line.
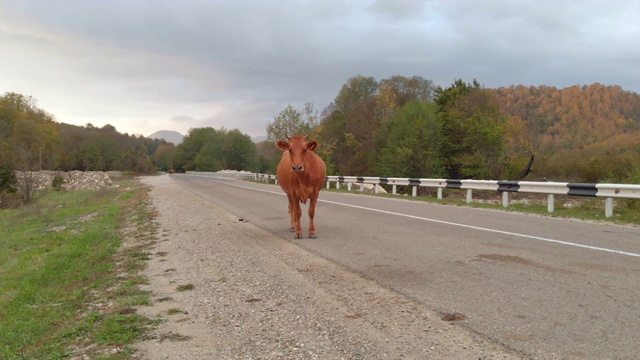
{"points": [[298, 146]]}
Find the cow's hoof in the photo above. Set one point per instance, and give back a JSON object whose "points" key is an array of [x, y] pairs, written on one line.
{"points": [[313, 236], [298, 236], [292, 229]]}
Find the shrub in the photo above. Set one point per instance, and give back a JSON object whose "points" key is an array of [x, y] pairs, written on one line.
{"points": [[57, 182], [10, 200], [8, 179]]}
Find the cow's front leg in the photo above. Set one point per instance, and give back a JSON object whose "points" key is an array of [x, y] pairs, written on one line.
{"points": [[312, 213], [292, 224], [298, 215]]}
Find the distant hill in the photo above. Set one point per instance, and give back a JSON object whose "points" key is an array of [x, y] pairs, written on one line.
{"points": [[258, 139], [169, 135], [574, 118]]}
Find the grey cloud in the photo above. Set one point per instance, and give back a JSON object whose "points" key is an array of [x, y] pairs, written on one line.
{"points": [[182, 118], [398, 9], [238, 63]]}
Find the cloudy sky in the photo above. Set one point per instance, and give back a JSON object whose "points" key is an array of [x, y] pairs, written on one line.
{"points": [[149, 65]]}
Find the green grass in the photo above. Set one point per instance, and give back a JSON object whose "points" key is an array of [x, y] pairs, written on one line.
{"points": [[65, 281], [174, 311], [185, 287]]}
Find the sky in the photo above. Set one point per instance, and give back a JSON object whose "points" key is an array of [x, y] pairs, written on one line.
{"points": [[149, 65]]}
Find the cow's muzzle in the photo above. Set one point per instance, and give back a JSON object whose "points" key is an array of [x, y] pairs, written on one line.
{"points": [[297, 168]]}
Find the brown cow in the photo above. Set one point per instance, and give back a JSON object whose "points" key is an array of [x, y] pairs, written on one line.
{"points": [[171, 171], [301, 174]]}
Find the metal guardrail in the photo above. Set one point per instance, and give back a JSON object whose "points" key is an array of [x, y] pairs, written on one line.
{"points": [[607, 191], [240, 175], [603, 190]]}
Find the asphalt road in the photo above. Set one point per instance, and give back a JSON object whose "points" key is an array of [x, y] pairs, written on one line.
{"points": [[548, 288]]}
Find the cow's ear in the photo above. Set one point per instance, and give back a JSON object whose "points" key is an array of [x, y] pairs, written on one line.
{"points": [[283, 145], [312, 145]]}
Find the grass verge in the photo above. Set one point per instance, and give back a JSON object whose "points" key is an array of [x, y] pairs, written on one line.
{"points": [[69, 274], [626, 211]]}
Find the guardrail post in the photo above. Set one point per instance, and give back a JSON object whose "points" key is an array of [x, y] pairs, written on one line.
{"points": [[337, 185], [608, 207], [505, 199], [393, 189], [414, 191], [328, 184], [349, 186], [469, 196], [375, 188], [551, 205], [439, 193]]}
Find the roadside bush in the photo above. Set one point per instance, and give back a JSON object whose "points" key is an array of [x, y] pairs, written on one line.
{"points": [[27, 185], [9, 200], [9, 197], [8, 179], [633, 178], [57, 183]]}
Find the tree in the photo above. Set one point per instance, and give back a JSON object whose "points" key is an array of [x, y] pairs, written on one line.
{"points": [[164, 157], [8, 183], [452, 125], [292, 121], [211, 156], [409, 89], [269, 156], [474, 131], [409, 143], [207, 149], [29, 132], [348, 125], [8, 179], [191, 145], [240, 152]]}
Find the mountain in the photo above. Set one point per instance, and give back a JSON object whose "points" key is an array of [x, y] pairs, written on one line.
{"points": [[258, 139], [169, 135], [574, 118]]}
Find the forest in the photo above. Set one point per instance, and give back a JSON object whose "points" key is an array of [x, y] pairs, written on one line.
{"points": [[396, 127], [407, 127]]}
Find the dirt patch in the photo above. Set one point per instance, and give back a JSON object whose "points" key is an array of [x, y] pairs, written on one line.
{"points": [[456, 316], [521, 261]]}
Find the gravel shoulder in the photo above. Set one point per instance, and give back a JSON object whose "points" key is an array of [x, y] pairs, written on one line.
{"points": [[258, 296]]}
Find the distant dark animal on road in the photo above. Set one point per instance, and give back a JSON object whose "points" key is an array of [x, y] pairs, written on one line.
{"points": [[171, 171], [301, 174]]}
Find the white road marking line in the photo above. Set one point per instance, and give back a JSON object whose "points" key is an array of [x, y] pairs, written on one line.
{"points": [[619, 252], [489, 230]]}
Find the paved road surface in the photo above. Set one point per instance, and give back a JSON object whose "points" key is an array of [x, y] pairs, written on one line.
{"points": [[550, 288]]}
